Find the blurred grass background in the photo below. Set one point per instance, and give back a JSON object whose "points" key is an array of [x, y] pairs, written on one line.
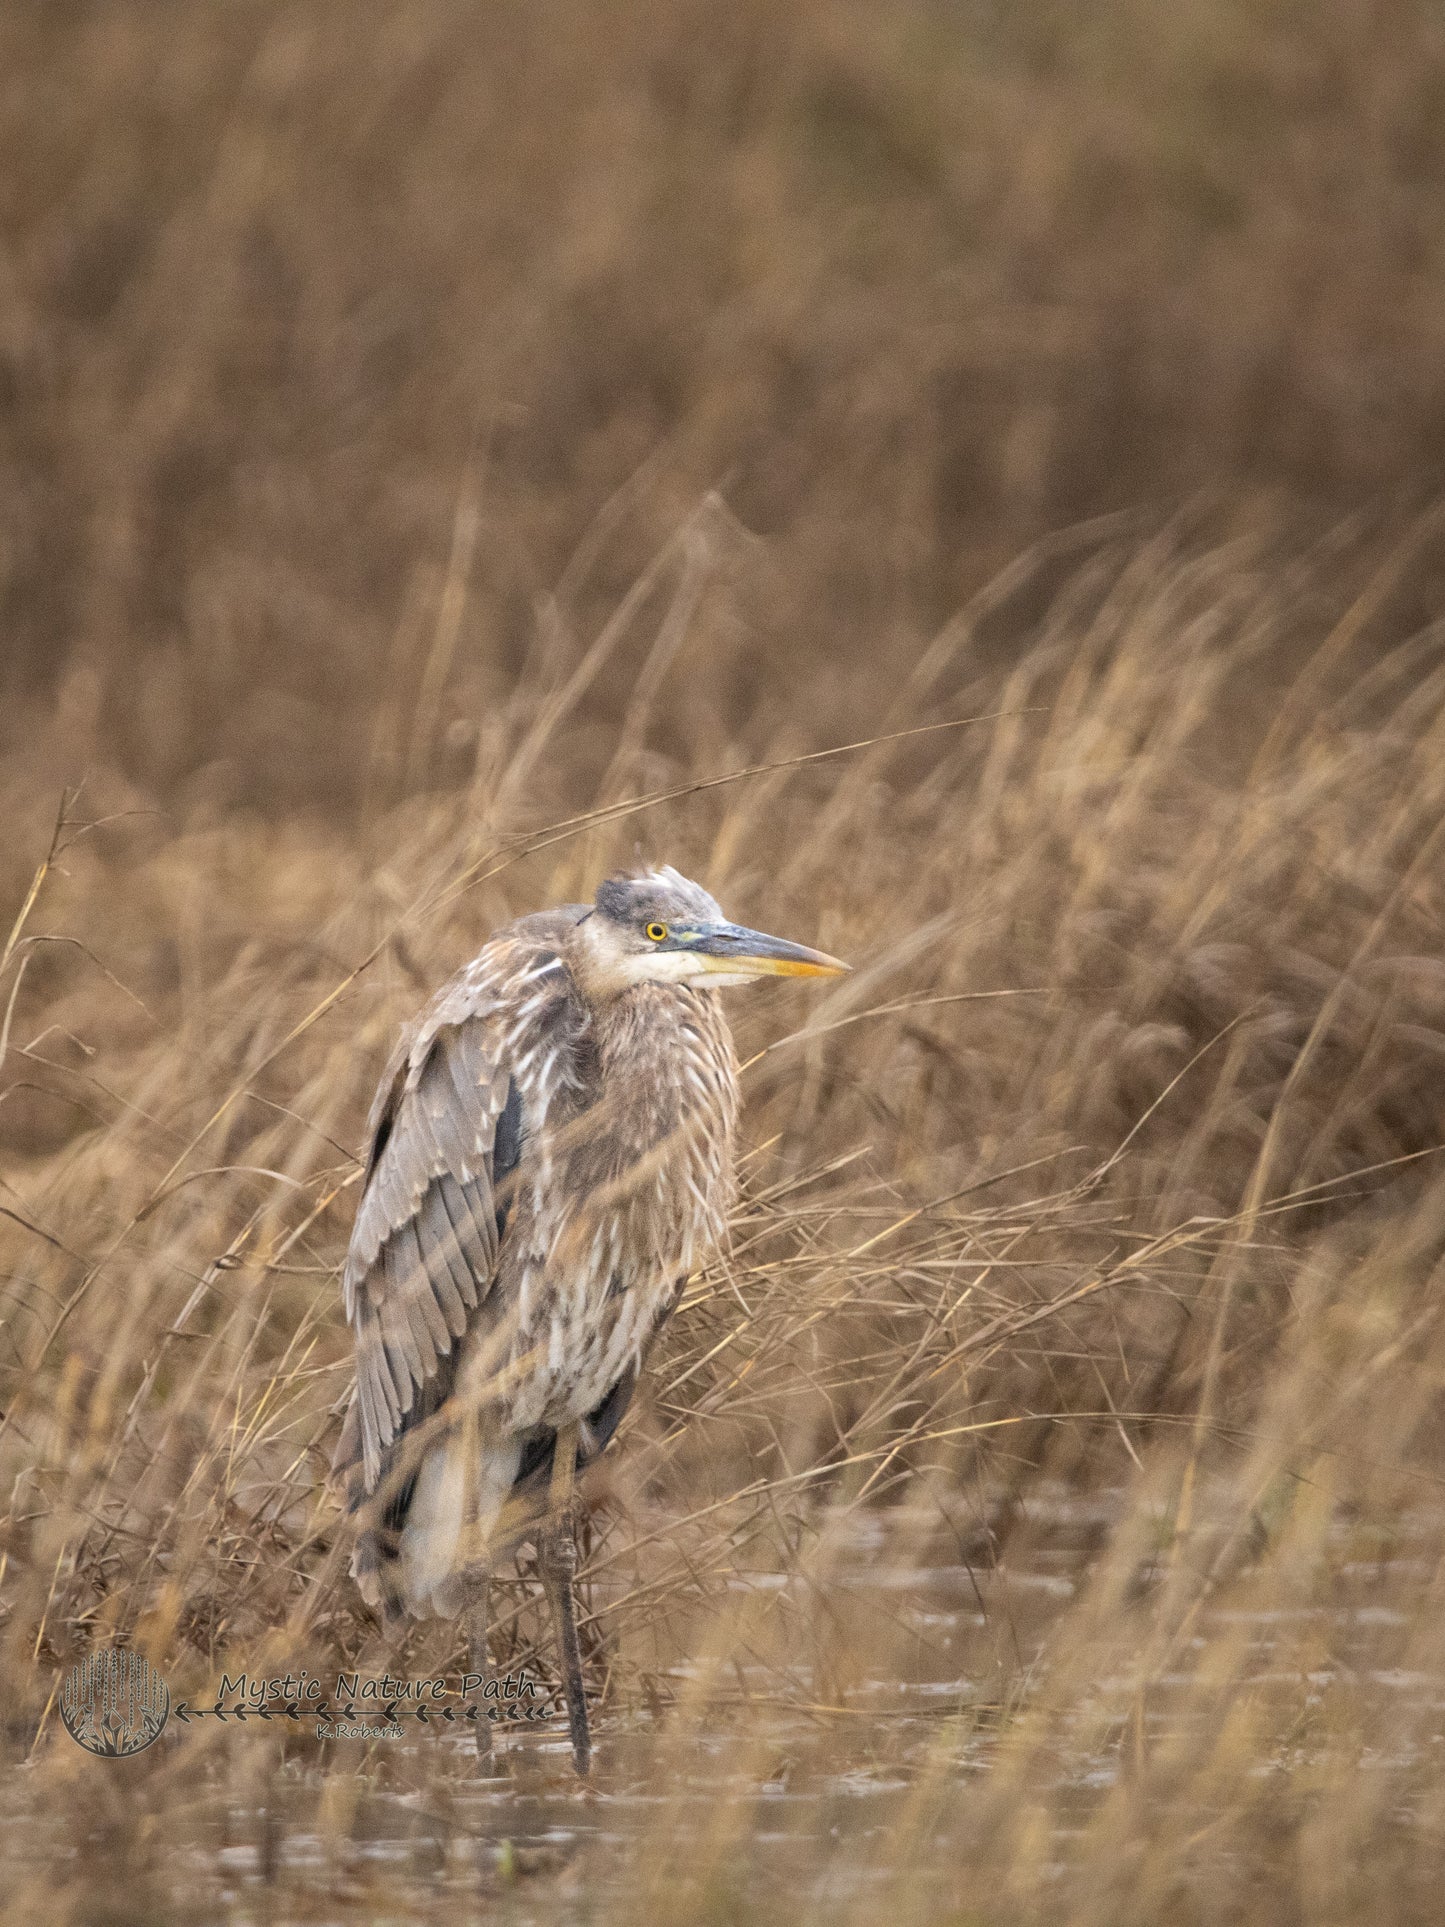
{"points": [[425, 430], [913, 284]]}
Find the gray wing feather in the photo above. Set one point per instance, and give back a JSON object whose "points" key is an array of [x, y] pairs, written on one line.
{"points": [[462, 1204], [397, 1311], [429, 1328], [445, 1264], [424, 1246], [410, 1279]]}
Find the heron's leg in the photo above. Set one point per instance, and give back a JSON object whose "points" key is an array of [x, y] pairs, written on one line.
{"points": [[476, 1576], [478, 1582], [595, 1638], [557, 1561]]}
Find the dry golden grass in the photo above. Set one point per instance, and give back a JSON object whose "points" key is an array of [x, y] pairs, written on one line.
{"points": [[447, 451], [1094, 1220]]}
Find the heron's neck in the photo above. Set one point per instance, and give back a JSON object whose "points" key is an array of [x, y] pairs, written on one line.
{"points": [[666, 1051], [647, 1021]]}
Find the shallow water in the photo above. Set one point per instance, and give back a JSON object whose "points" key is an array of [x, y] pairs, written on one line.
{"points": [[806, 1780]]}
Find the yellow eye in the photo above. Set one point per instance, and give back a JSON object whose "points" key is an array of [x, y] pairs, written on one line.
{"points": [[657, 931]]}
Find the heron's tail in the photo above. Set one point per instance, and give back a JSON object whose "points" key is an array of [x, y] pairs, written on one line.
{"points": [[429, 1516], [438, 1540], [419, 1530]]}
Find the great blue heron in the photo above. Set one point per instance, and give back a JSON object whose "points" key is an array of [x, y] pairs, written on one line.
{"points": [[551, 1155]]}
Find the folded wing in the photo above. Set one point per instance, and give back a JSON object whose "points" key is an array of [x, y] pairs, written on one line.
{"points": [[424, 1249]]}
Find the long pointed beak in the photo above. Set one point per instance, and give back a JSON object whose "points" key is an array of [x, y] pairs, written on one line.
{"points": [[732, 947]]}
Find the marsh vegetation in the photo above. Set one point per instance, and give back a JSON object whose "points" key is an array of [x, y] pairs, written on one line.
{"points": [[951, 480]]}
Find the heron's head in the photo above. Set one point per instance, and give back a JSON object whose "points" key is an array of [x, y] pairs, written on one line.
{"points": [[659, 928]]}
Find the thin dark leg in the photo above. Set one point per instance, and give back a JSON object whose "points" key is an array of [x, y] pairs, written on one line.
{"points": [[557, 1561], [478, 1580], [594, 1637], [557, 1557]]}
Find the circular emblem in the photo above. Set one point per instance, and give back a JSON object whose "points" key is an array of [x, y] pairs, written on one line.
{"points": [[114, 1703]]}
